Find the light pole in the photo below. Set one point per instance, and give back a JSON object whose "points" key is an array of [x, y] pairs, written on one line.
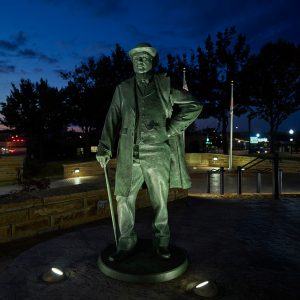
{"points": [[250, 118], [231, 127], [291, 132]]}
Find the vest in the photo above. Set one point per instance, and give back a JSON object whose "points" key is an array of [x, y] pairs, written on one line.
{"points": [[150, 126]]}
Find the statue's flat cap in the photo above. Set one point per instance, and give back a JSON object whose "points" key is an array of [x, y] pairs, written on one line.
{"points": [[143, 47]]}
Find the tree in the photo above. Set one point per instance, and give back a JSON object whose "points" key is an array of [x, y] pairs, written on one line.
{"points": [[38, 111], [273, 80], [219, 63], [210, 72], [90, 89]]}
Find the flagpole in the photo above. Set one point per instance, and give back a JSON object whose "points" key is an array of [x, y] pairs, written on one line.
{"points": [[184, 87], [231, 128]]}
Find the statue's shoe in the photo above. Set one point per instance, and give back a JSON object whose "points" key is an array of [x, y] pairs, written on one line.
{"points": [[120, 255], [163, 252]]}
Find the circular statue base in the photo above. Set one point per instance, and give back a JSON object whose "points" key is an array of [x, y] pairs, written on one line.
{"points": [[144, 265]]}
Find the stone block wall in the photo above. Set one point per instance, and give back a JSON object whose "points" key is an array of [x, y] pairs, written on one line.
{"points": [[89, 168], [33, 215], [9, 166], [195, 162]]}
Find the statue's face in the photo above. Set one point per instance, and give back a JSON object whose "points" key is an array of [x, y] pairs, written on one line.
{"points": [[142, 62]]}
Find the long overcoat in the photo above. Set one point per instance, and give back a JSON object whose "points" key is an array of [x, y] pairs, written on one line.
{"points": [[181, 109]]}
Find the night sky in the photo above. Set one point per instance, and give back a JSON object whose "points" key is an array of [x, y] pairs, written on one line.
{"points": [[39, 38]]}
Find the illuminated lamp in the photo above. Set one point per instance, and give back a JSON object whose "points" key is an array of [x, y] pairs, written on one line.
{"points": [[206, 289], [54, 275], [76, 170]]}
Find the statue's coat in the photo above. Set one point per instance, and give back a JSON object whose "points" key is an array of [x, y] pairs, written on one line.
{"points": [[181, 110]]}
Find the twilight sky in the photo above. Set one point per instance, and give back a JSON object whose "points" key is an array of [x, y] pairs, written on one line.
{"points": [[39, 38]]}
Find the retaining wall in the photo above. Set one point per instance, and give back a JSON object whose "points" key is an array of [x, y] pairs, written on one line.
{"points": [[28, 215], [195, 161], [9, 166]]}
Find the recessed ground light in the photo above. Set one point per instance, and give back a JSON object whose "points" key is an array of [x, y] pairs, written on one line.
{"points": [[54, 275], [201, 284], [206, 289]]}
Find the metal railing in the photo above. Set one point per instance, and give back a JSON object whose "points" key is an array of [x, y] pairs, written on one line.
{"points": [[277, 176], [256, 161]]}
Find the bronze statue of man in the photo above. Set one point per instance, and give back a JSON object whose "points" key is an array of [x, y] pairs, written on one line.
{"points": [[148, 117]]}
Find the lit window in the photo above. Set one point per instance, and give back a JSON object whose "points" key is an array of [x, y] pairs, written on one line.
{"points": [[94, 149]]}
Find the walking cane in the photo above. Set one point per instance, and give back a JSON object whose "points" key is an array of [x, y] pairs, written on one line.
{"points": [[111, 205]]}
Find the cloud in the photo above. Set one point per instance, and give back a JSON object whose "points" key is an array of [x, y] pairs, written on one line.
{"points": [[6, 68], [6, 45], [21, 38], [15, 42], [29, 53], [108, 7], [259, 20], [98, 8], [60, 71]]}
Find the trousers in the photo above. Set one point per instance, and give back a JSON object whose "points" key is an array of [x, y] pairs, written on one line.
{"points": [[151, 164]]}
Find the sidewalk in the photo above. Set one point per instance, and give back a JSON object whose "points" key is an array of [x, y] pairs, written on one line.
{"points": [[291, 183], [250, 248]]}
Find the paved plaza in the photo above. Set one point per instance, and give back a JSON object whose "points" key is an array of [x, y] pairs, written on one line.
{"points": [[249, 248]]}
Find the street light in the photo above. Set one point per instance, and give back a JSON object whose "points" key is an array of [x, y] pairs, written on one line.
{"points": [[258, 135]]}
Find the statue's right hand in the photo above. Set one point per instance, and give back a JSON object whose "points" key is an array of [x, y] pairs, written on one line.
{"points": [[102, 159]]}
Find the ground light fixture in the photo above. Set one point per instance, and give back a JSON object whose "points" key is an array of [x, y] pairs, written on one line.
{"points": [[206, 289], [54, 275]]}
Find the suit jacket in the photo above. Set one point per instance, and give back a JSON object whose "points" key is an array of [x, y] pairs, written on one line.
{"points": [[181, 109]]}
